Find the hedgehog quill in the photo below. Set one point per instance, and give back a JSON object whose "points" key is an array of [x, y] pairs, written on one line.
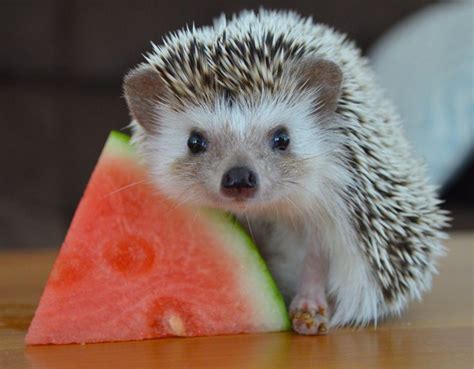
{"points": [[280, 121]]}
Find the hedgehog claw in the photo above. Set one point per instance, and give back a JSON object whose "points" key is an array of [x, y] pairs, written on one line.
{"points": [[309, 317]]}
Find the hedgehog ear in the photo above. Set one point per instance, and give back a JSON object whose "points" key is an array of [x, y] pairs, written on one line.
{"points": [[326, 77], [142, 88]]}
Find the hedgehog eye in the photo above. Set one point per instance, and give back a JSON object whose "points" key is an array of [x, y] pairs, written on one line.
{"points": [[280, 139], [197, 143]]}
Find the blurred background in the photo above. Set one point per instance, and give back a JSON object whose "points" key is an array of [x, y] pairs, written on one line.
{"points": [[61, 69]]}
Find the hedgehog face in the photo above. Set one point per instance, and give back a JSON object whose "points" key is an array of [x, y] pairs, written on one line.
{"points": [[262, 156], [268, 149]]}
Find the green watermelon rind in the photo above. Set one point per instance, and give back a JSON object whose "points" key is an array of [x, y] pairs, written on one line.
{"points": [[119, 143], [270, 288], [274, 291], [120, 137]]}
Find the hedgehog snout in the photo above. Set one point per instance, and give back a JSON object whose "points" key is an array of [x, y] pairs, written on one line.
{"points": [[239, 183]]}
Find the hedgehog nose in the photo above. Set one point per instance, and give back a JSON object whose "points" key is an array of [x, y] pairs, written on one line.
{"points": [[239, 182]]}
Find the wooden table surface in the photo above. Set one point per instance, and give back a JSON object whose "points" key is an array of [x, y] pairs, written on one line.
{"points": [[437, 333]]}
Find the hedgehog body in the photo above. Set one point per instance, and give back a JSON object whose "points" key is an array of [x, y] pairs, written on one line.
{"points": [[377, 218]]}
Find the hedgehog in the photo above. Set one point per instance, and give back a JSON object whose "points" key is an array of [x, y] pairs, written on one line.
{"points": [[279, 120]]}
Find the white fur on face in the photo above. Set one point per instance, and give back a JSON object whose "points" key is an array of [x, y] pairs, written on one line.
{"points": [[240, 135]]}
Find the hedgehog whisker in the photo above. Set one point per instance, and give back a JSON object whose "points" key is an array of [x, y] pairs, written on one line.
{"points": [[310, 157], [127, 187], [183, 200], [250, 227], [289, 182], [277, 211], [298, 210]]}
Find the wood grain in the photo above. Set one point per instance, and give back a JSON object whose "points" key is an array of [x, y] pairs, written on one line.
{"points": [[437, 333]]}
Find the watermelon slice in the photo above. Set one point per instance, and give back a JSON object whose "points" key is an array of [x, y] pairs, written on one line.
{"points": [[136, 266]]}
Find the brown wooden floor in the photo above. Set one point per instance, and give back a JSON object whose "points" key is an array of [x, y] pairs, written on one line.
{"points": [[437, 333]]}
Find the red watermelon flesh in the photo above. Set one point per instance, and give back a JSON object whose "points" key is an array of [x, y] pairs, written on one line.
{"points": [[136, 266]]}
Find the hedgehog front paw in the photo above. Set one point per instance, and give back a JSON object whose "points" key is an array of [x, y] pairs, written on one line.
{"points": [[308, 316]]}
